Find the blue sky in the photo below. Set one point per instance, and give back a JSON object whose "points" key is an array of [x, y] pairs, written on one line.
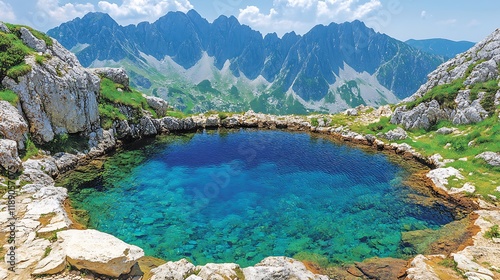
{"points": [[402, 19]]}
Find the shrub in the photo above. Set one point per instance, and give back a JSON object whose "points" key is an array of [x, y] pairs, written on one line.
{"points": [[9, 96], [31, 149], [314, 122], [12, 53]]}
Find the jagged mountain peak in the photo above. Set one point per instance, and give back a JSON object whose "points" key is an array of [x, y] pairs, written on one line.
{"points": [[302, 69]]}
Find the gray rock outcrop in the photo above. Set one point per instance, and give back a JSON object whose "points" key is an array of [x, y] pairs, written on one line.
{"points": [[395, 134], [159, 105], [117, 75], [57, 96], [9, 159], [12, 124], [31, 41], [491, 158], [477, 65], [4, 27]]}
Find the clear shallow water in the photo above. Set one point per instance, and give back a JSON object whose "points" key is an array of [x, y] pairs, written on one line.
{"points": [[242, 196]]}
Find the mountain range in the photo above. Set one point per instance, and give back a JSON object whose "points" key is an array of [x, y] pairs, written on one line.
{"points": [[224, 65], [443, 47]]}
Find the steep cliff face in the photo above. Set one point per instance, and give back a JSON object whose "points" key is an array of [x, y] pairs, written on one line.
{"points": [[57, 95], [463, 90]]}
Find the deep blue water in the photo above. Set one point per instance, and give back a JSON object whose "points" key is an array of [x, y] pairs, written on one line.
{"points": [[245, 195]]}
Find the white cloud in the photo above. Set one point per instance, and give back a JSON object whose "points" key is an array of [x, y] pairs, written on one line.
{"points": [[423, 14], [301, 15], [57, 13], [6, 12], [133, 11], [253, 17]]}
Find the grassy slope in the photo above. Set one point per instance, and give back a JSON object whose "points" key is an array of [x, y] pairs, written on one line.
{"points": [[464, 144]]}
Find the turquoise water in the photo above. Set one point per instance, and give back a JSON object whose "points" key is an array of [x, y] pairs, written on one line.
{"points": [[244, 195]]}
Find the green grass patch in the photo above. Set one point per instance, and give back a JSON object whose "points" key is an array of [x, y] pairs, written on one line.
{"points": [[9, 96], [111, 93], [176, 114], [444, 94], [108, 114], [31, 150], [12, 54], [19, 70], [16, 29], [493, 232]]}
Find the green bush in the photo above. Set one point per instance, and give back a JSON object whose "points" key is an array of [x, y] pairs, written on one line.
{"points": [[314, 122], [12, 54], [30, 150], [9, 96]]}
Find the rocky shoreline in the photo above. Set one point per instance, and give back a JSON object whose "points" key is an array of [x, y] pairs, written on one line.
{"points": [[43, 217]]}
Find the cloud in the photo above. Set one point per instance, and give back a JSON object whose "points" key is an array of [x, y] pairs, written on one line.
{"points": [[423, 14], [253, 17], [6, 12], [57, 13], [301, 15], [133, 11]]}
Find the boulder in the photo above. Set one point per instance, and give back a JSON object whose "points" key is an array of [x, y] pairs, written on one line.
{"points": [[4, 27], [99, 252], [419, 270], [54, 263], [36, 176], [440, 176], [146, 127], [159, 105], [351, 112], [280, 268], [423, 116], [47, 165], [220, 271], [31, 41], [12, 124], [445, 130], [178, 270], [9, 159], [491, 158], [65, 161], [47, 200], [117, 75], [395, 134]]}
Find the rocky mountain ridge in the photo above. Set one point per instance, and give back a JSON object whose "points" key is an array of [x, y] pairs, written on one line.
{"points": [[463, 90], [443, 47], [198, 66]]}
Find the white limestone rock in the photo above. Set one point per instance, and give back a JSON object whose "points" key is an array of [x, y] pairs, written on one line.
{"points": [[280, 268], [419, 270], [117, 75], [31, 41], [178, 270], [9, 158], [12, 124], [440, 176], [220, 271], [58, 96], [98, 252], [467, 265], [491, 158], [159, 105]]}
